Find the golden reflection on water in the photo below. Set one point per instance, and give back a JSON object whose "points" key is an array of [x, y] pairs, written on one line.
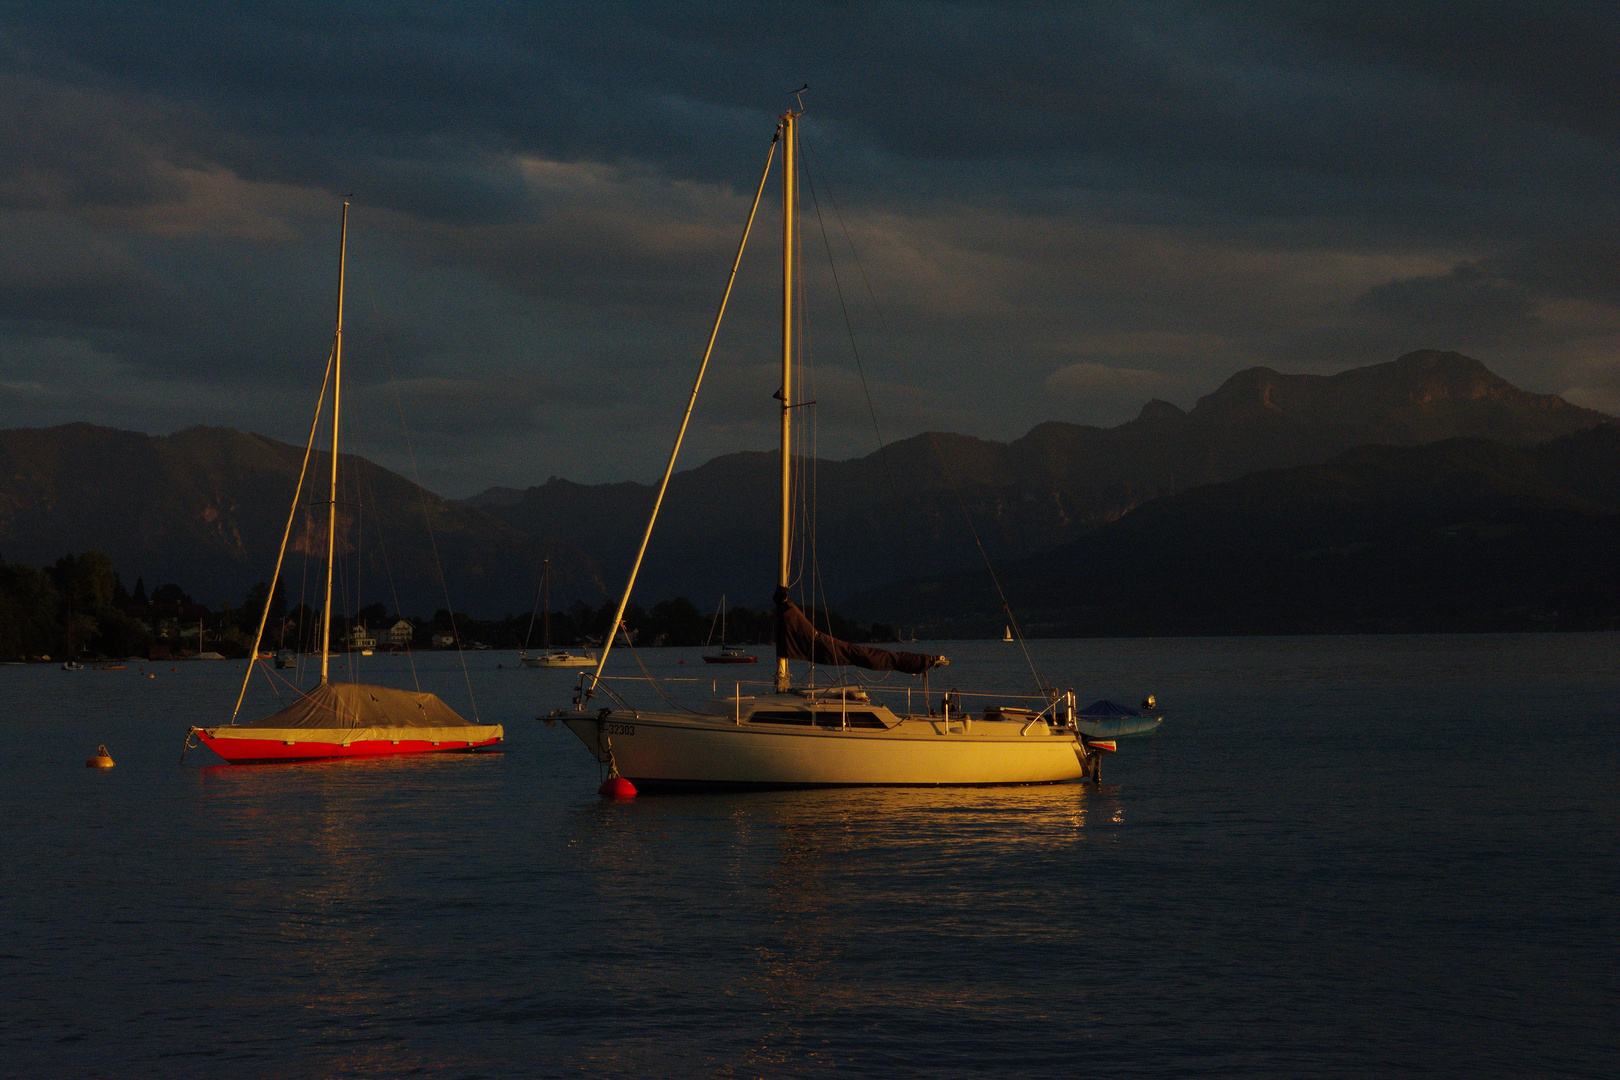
{"points": [[822, 870], [754, 906]]}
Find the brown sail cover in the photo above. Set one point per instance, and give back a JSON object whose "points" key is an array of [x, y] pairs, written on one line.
{"points": [[347, 713], [356, 705], [797, 639]]}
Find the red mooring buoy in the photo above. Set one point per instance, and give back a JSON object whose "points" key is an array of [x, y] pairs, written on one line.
{"points": [[617, 787]]}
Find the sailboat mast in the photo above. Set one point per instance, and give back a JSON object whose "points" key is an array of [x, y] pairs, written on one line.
{"points": [[545, 626], [337, 398], [789, 213]]}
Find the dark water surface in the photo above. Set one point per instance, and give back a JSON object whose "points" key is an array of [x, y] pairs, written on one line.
{"points": [[1342, 857]]}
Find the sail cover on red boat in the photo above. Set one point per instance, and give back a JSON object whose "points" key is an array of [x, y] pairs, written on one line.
{"points": [[798, 639], [351, 712]]}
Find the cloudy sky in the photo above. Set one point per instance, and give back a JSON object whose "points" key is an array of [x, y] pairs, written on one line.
{"points": [[1060, 210]]}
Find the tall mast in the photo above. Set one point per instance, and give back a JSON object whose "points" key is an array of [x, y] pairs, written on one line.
{"points": [[545, 627], [337, 398], [789, 213]]}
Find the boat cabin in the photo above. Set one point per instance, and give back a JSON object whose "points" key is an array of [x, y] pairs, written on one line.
{"points": [[806, 709]]}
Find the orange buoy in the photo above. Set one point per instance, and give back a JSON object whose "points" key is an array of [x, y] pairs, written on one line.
{"points": [[617, 787], [102, 760]]}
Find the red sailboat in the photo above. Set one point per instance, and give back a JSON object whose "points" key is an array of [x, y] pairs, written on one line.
{"points": [[340, 719]]}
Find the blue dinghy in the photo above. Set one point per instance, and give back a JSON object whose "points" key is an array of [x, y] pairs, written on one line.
{"points": [[1108, 720]]}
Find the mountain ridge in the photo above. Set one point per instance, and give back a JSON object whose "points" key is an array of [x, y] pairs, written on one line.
{"points": [[206, 506], [1037, 492], [1459, 535]]}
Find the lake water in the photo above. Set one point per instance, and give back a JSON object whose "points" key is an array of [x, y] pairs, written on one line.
{"points": [[1342, 857]]}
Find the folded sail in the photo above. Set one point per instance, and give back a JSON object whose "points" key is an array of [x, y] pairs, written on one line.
{"points": [[798, 639]]}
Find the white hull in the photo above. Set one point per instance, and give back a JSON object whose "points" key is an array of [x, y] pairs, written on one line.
{"points": [[686, 750]]}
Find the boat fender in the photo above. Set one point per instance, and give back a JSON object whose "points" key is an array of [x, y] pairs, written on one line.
{"points": [[102, 760], [617, 787]]}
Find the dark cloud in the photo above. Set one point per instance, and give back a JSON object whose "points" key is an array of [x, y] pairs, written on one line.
{"points": [[1466, 304], [1062, 209]]}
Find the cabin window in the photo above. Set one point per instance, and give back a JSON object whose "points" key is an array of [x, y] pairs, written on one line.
{"points": [[855, 719], [766, 716]]}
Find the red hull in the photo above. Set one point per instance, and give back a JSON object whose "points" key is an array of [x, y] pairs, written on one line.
{"points": [[244, 751]]}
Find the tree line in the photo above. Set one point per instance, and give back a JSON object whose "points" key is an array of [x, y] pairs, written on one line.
{"points": [[80, 608]]}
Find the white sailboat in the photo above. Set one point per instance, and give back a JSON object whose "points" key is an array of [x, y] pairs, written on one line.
{"points": [[547, 657], [799, 735]]}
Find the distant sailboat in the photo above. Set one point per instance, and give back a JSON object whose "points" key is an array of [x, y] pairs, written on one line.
{"points": [[728, 654], [1007, 635], [547, 658], [202, 653], [340, 719]]}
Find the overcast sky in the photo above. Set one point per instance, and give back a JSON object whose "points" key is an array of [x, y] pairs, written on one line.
{"points": [[1062, 210]]}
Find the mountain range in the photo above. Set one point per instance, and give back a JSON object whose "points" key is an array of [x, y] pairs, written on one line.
{"points": [[905, 511], [1458, 535], [206, 506]]}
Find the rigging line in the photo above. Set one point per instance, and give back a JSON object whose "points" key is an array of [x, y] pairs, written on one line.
{"points": [[712, 623], [655, 683], [301, 641], [444, 586], [399, 610], [691, 403], [528, 636], [849, 326], [804, 373], [393, 588], [320, 403], [269, 677], [818, 582], [894, 349], [388, 571], [427, 518], [1006, 606], [347, 574], [359, 568]]}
